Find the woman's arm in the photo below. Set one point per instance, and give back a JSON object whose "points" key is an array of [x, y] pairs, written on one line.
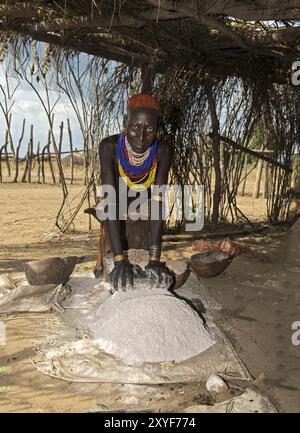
{"points": [[123, 272], [108, 178], [155, 268], [164, 164]]}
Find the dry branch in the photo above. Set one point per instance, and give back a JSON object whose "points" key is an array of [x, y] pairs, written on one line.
{"points": [[253, 153]]}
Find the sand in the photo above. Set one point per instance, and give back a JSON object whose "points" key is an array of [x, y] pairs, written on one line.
{"points": [[149, 326], [257, 316]]}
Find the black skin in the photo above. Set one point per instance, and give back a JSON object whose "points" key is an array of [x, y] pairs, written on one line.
{"points": [[141, 130]]}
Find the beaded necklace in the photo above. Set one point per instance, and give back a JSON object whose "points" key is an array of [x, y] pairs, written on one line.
{"points": [[134, 158], [138, 170]]}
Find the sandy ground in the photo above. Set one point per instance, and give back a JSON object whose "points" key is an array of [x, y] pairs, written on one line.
{"points": [[260, 300]]}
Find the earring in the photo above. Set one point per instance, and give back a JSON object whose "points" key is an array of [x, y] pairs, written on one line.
{"points": [[158, 135]]}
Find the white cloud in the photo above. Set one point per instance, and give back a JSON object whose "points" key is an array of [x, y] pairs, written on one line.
{"points": [[28, 106]]}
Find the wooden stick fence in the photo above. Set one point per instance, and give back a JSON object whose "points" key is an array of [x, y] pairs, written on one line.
{"points": [[36, 165]]}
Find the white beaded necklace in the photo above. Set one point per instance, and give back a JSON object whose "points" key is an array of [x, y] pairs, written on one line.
{"points": [[136, 158]]}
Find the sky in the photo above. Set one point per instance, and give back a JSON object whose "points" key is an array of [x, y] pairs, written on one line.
{"points": [[27, 105]]}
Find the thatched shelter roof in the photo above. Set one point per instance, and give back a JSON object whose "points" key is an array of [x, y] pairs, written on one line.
{"points": [[228, 36]]}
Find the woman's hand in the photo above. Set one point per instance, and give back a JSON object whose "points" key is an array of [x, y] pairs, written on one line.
{"points": [[160, 273], [122, 275]]}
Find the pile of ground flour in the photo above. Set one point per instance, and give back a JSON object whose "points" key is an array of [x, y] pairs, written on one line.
{"points": [[149, 326]]}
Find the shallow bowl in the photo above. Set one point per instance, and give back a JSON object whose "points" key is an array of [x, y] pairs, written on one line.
{"points": [[56, 270], [211, 263]]}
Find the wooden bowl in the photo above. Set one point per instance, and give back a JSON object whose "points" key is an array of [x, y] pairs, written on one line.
{"points": [[56, 270], [211, 263], [180, 270]]}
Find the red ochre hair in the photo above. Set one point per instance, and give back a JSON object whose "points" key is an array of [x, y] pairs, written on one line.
{"points": [[143, 100]]}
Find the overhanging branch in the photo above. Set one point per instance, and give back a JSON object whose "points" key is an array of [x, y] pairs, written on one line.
{"points": [[57, 24], [101, 50], [253, 153]]}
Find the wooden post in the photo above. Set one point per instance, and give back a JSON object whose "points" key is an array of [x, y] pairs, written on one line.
{"points": [[12, 149], [266, 133], [43, 163], [71, 153], [18, 151], [50, 164], [30, 152], [61, 132], [216, 154], [245, 175], [259, 168], [7, 162], [38, 163], [1, 150], [26, 165], [49, 156], [148, 77], [86, 157], [266, 180], [223, 170]]}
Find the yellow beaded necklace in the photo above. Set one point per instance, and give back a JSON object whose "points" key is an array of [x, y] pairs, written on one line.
{"points": [[139, 185]]}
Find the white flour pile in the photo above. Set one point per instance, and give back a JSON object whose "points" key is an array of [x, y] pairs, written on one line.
{"points": [[149, 326]]}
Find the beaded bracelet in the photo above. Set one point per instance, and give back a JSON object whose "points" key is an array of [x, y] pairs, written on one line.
{"points": [[154, 252], [119, 258]]}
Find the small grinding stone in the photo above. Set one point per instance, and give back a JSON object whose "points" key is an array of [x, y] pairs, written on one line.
{"points": [[216, 384]]}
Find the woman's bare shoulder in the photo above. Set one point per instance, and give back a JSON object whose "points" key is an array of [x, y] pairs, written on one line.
{"points": [[109, 141], [108, 144]]}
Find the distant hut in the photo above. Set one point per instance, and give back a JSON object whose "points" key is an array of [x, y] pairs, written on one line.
{"points": [[7, 156], [78, 159]]}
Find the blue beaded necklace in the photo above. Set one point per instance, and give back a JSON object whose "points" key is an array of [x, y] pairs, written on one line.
{"points": [[129, 169]]}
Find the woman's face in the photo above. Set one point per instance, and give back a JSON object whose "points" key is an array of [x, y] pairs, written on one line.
{"points": [[141, 128]]}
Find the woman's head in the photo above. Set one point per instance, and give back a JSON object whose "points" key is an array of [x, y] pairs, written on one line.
{"points": [[142, 121]]}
